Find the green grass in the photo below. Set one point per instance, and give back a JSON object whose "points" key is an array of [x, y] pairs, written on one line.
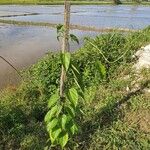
{"points": [[113, 118], [60, 2], [49, 2]]}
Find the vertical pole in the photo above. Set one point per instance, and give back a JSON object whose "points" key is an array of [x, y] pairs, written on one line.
{"points": [[65, 45]]}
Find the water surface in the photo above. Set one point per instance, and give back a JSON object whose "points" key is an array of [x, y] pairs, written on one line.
{"points": [[23, 46], [136, 17]]}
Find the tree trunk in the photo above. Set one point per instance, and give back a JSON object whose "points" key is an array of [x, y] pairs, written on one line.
{"points": [[65, 45]]}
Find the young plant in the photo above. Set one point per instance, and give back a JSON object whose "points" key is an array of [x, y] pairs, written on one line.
{"points": [[61, 117], [63, 105]]}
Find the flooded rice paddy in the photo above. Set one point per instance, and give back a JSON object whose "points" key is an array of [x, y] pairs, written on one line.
{"points": [[99, 16]]}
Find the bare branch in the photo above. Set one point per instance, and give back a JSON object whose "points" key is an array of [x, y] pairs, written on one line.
{"points": [[11, 65]]}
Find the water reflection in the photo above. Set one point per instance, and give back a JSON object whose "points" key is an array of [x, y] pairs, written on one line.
{"points": [[99, 16], [23, 46]]}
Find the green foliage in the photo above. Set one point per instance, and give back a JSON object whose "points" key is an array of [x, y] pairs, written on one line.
{"points": [[115, 120], [101, 68], [60, 31], [18, 120], [60, 122], [22, 110], [60, 34], [74, 38], [73, 96], [117, 2], [73, 2], [65, 59], [60, 118], [30, 142]]}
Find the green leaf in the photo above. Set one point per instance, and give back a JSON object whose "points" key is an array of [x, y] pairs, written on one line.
{"points": [[74, 38], [75, 69], [73, 96], [101, 68], [65, 57], [59, 110], [51, 113], [63, 140], [77, 83], [52, 124], [70, 111], [60, 31], [77, 78], [59, 28], [47, 118], [54, 134], [74, 129], [64, 121], [53, 100]]}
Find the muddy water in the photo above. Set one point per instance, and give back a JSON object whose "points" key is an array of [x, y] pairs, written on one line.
{"points": [[23, 46], [19, 46]]}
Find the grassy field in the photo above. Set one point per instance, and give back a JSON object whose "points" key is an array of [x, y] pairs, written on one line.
{"points": [[60, 2], [114, 118], [46, 2]]}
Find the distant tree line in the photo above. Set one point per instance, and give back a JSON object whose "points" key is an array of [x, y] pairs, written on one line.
{"points": [[120, 1], [116, 1], [135, 1]]}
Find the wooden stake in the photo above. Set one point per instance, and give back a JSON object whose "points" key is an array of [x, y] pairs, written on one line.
{"points": [[65, 45]]}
